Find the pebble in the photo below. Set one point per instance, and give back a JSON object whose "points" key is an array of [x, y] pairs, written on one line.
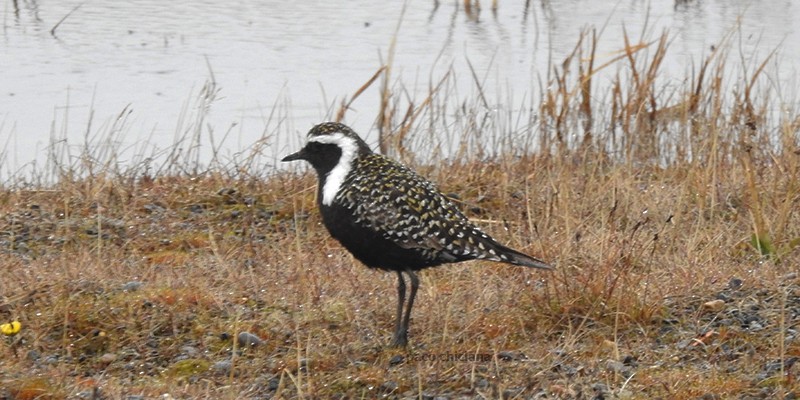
{"points": [[273, 383], [107, 358], [620, 368], [247, 339], [132, 286], [735, 283], [630, 361], [755, 326], [190, 351], [513, 392], [601, 390], [33, 355], [389, 386], [714, 305], [625, 394], [396, 360], [89, 394], [508, 356], [153, 208], [222, 367]]}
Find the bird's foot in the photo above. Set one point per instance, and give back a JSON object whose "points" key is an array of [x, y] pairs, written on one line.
{"points": [[400, 339]]}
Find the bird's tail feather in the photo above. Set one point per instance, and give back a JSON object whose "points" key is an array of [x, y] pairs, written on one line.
{"points": [[514, 257]]}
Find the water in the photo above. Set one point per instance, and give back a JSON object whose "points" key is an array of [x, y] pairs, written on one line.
{"points": [[283, 66]]}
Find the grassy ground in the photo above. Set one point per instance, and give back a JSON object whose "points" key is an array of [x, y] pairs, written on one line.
{"points": [[657, 293], [673, 225]]}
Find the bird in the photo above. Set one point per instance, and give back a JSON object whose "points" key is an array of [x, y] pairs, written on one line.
{"points": [[391, 218]]}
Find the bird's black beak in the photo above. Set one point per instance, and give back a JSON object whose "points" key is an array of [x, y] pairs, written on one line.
{"points": [[300, 155]]}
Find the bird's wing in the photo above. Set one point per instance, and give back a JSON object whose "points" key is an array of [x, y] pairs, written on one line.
{"points": [[409, 210]]}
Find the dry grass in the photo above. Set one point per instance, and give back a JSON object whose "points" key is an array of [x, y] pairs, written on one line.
{"points": [[652, 205]]}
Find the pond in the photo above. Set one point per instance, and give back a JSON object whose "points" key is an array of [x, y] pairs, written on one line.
{"points": [[131, 75]]}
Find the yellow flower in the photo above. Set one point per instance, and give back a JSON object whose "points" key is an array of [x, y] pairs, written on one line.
{"points": [[11, 328]]}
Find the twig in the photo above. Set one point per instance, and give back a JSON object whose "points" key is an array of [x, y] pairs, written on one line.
{"points": [[53, 31], [346, 104]]}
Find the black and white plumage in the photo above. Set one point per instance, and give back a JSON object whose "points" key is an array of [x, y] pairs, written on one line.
{"points": [[391, 218]]}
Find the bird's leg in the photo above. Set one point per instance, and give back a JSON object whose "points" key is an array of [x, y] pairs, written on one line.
{"points": [[400, 337], [407, 317]]}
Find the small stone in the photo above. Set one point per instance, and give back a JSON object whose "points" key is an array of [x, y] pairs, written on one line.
{"points": [[624, 394], [247, 339], [601, 390], [512, 393], [107, 358], [755, 326], [735, 283], [615, 366], [88, 394], [190, 351], [619, 368], [132, 286], [303, 367], [153, 208], [222, 367], [508, 356], [630, 361], [114, 223], [714, 305], [722, 296], [396, 360], [33, 355], [389, 386]]}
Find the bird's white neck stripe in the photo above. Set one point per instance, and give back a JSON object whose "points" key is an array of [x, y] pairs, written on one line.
{"points": [[335, 178]]}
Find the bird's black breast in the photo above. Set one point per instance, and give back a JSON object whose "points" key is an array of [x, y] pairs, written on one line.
{"points": [[369, 246]]}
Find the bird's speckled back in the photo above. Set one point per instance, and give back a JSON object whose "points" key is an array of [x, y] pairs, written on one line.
{"points": [[400, 205]]}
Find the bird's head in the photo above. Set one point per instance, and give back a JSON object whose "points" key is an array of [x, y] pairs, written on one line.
{"points": [[330, 145]]}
